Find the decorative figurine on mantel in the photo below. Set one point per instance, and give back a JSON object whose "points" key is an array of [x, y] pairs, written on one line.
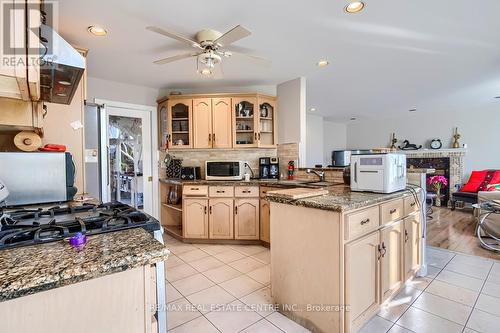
{"points": [[409, 146], [456, 137], [393, 141]]}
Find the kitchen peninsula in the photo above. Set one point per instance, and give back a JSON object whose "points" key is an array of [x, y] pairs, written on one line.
{"points": [[337, 257]]}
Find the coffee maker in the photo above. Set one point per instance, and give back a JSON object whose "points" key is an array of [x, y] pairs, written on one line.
{"points": [[269, 168]]}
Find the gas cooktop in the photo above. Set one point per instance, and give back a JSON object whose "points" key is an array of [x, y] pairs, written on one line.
{"points": [[34, 226]]}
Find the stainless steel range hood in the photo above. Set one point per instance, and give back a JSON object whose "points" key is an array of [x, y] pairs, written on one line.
{"points": [[61, 68]]}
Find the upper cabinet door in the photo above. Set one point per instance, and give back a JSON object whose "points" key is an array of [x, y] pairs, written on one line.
{"points": [[180, 125], [245, 131], [267, 122], [163, 120], [222, 135], [202, 122]]}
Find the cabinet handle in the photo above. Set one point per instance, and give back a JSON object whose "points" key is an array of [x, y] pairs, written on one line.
{"points": [[412, 204], [365, 221], [392, 211], [213, 137], [220, 191], [259, 136], [384, 249], [195, 188], [210, 210], [209, 137], [379, 249], [205, 210], [255, 135], [235, 209], [406, 236]]}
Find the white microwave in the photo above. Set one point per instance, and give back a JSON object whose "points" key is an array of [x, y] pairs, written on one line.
{"points": [[381, 173], [225, 170]]}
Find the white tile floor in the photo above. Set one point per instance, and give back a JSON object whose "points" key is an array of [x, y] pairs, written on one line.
{"points": [[226, 288]]}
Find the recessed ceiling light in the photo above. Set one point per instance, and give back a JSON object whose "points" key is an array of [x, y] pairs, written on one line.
{"points": [[323, 63], [354, 7], [97, 30], [412, 110], [312, 109], [353, 118]]}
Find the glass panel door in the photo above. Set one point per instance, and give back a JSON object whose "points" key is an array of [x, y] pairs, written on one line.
{"points": [[125, 156], [266, 123], [180, 127], [244, 125]]}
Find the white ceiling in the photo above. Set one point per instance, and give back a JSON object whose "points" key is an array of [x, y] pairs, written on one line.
{"points": [[393, 56]]}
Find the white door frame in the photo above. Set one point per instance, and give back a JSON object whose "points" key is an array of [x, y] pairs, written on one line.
{"points": [[154, 147]]}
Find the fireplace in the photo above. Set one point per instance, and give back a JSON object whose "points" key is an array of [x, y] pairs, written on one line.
{"points": [[447, 162], [442, 166]]}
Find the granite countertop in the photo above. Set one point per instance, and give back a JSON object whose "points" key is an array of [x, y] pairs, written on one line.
{"points": [[252, 182], [31, 269], [339, 199]]}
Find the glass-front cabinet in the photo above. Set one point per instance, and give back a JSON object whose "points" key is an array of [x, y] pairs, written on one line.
{"points": [[180, 117], [267, 122], [163, 133], [245, 124]]}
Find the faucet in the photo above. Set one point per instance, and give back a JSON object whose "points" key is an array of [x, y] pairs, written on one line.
{"points": [[320, 174]]}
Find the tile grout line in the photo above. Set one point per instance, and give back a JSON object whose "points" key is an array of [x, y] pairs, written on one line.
{"points": [[479, 295]]}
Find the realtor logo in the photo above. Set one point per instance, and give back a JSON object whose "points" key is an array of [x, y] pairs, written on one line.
{"points": [[21, 37]]}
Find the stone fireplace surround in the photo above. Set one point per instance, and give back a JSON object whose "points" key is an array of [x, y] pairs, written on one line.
{"points": [[456, 162]]}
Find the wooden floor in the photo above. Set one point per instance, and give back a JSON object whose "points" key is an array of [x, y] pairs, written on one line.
{"points": [[454, 230]]}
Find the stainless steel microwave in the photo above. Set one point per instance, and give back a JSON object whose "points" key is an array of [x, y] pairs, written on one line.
{"points": [[37, 177], [224, 170]]}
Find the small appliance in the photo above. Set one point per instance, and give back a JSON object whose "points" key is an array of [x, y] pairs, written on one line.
{"points": [[381, 173], [269, 168], [37, 177], [342, 158], [225, 170], [190, 173]]}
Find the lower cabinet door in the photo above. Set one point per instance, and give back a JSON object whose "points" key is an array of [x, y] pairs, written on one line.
{"points": [[412, 244], [195, 218], [391, 259], [361, 280], [265, 218], [220, 221], [246, 219]]}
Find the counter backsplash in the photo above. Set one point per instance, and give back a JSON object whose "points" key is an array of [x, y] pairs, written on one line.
{"points": [[198, 157]]}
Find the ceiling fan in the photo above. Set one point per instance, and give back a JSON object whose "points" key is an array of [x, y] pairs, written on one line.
{"points": [[211, 47]]}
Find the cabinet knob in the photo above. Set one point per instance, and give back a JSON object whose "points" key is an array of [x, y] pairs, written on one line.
{"points": [[392, 211], [413, 204]]}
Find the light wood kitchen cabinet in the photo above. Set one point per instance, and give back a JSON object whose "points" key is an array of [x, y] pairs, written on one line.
{"points": [[267, 122], [222, 135], [180, 115], [220, 222], [20, 115], [245, 122], [202, 122], [195, 218], [163, 121], [246, 218], [265, 218], [391, 259], [362, 278], [412, 244]]}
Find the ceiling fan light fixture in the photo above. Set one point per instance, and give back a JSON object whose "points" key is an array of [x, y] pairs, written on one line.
{"points": [[97, 30], [354, 7], [323, 63], [205, 72]]}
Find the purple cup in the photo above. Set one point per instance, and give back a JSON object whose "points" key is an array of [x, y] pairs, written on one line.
{"points": [[78, 239]]}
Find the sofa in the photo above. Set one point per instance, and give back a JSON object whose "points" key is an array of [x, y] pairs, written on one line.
{"points": [[479, 181]]}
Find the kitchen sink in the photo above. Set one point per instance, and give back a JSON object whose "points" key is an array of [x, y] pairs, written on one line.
{"points": [[321, 184]]}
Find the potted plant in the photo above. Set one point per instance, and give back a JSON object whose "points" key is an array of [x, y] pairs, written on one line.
{"points": [[438, 182]]}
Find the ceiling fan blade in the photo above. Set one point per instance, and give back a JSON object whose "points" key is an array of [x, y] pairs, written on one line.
{"points": [[254, 59], [175, 36], [175, 58], [236, 33]]}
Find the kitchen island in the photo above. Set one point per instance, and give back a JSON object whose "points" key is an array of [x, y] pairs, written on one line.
{"points": [[106, 286], [338, 257]]}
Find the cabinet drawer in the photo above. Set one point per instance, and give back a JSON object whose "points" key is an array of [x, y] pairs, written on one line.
{"points": [[246, 191], [221, 191], [361, 222], [195, 191], [391, 211], [410, 204]]}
